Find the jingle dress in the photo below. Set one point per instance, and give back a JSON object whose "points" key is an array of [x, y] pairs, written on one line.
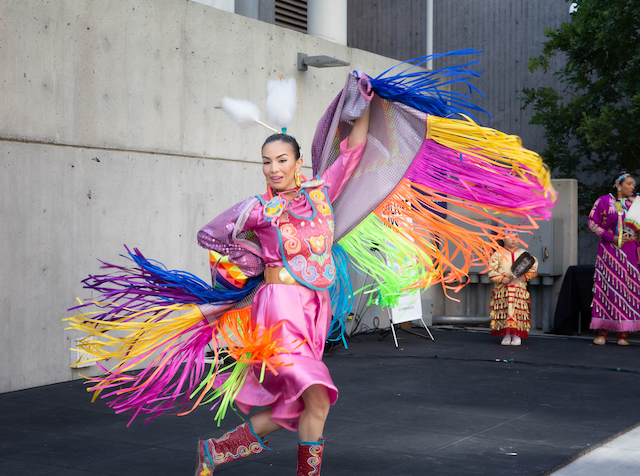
{"points": [[302, 314], [510, 306], [616, 287]]}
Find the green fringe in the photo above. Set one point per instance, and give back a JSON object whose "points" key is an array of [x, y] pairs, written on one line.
{"points": [[395, 268], [228, 391]]}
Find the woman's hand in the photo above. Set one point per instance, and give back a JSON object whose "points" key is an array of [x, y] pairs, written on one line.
{"points": [[505, 280]]}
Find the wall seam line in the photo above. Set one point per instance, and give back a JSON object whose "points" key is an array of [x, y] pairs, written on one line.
{"points": [[134, 151]]}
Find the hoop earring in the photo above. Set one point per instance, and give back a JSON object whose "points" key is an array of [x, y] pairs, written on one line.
{"points": [[298, 178]]}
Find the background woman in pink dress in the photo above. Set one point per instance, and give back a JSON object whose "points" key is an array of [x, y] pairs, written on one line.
{"points": [[299, 396], [616, 288]]}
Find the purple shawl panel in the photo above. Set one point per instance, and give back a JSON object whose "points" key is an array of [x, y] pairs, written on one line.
{"points": [[396, 133], [224, 235]]}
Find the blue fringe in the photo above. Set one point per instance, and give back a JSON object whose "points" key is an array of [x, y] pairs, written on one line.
{"points": [[189, 284], [341, 293], [421, 89]]}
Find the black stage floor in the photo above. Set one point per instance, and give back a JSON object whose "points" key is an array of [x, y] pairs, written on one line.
{"points": [[456, 406]]}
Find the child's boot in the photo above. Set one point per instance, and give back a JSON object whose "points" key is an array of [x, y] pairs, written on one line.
{"points": [[622, 338], [506, 340], [602, 337], [310, 457], [515, 340], [236, 444]]}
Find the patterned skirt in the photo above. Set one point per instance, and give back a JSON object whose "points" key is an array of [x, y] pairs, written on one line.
{"points": [[616, 289], [510, 310]]}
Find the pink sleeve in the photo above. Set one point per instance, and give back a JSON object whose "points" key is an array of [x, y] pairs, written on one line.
{"points": [[595, 220], [337, 175], [255, 219]]}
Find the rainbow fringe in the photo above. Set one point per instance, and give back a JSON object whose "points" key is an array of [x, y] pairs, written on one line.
{"points": [[139, 324], [169, 342], [148, 284], [412, 241], [427, 90]]}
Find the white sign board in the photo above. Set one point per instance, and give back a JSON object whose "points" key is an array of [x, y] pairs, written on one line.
{"points": [[409, 308]]}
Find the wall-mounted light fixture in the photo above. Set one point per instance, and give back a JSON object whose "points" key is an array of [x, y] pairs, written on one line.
{"points": [[322, 61]]}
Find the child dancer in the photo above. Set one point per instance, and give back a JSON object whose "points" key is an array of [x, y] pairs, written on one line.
{"points": [[510, 306]]}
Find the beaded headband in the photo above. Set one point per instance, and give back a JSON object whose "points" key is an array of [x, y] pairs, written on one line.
{"points": [[622, 177]]}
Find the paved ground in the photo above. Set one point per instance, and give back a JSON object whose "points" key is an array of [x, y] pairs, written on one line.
{"points": [[619, 457], [462, 405]]}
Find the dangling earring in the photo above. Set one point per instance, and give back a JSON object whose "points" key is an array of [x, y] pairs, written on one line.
{"points": [[298, 178]]}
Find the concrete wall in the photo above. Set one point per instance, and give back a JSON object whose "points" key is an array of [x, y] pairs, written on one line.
{"points": [[109, 135]]}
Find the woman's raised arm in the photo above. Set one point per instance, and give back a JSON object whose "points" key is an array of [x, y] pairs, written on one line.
{"points": [[360, 129]]}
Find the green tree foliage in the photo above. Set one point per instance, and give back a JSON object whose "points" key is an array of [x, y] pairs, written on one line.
{"points": [[592, 126]]}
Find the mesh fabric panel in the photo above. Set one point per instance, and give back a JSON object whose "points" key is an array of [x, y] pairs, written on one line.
{"points": [[220, 235], [396, 134]]}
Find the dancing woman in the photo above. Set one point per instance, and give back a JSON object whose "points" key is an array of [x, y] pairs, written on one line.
{"points": [[298, 215], [616, 289]]}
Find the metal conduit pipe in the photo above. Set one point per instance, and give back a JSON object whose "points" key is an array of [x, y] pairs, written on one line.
{"points": [[462, 320]]}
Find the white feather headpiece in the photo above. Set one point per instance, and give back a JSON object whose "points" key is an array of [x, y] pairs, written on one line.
{"points": [[281, 101], [281, 104], [243, 112]]}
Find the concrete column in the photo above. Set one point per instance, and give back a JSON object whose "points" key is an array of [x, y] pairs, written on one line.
{"points": [[428, 297], [327, 19], [480, 294], [263, 10], [548, 306]]}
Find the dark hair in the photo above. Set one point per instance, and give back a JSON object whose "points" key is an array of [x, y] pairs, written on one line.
{"points": [[287, 139], [618, 175]]}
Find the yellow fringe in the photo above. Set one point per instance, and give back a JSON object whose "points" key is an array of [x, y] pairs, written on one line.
{"points": [[465, 136], [155, 330]]}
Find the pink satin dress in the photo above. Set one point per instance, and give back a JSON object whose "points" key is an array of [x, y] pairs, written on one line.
{"points": [[304, 313]]}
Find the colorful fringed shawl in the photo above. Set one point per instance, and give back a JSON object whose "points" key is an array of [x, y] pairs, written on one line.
{"points": [[419, 209], [428, 189]]}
